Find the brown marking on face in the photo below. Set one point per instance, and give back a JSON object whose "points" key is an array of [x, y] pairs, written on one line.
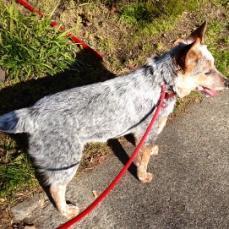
{"points": [[191, 60], [188, 57]]}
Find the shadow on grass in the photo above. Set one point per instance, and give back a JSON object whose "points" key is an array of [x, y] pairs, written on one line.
{"points": [[86, 70]]}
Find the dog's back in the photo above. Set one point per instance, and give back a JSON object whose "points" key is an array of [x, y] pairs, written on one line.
{"points": [[115, 105]]}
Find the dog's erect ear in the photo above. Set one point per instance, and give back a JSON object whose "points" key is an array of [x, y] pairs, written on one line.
{"points": [[198, 33], [192, 56], [188, 56]]}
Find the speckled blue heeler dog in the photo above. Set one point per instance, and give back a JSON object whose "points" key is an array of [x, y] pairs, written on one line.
{"points": [[60, 125]]}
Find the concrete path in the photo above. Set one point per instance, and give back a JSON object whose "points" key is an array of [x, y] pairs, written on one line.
{"points": [[190, 188]]}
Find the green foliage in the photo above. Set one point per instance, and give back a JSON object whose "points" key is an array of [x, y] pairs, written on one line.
{"points": [[222, 61], [29, 47], [139, 13], [16, 175], [150, 18], [145, 13], [218, 42]]}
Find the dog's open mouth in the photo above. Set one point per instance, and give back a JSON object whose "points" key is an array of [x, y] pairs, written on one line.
{"points": [[207, 91]]}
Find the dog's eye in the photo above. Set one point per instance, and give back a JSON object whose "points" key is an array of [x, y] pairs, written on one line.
{"points": [[208, 73]]}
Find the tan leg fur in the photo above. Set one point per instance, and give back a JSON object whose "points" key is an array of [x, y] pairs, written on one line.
{"points": [[142, 163], [144, 156]]}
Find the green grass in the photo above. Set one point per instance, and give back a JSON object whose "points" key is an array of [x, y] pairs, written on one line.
{"points": [[160, 17], [218, 43], [138, 13], [16, 172], [29, 47], [154, 17], [16, 176]]}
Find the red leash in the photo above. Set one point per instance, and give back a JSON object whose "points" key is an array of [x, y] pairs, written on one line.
{"points": [[103, 195], [54, 24]]}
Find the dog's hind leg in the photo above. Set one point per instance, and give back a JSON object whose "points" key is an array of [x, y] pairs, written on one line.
{"points": [[57, 192], [58, 181], [56, 186], [57, 156]]}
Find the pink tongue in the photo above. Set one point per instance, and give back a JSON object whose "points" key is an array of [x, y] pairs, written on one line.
{"points": [[210, 92]]}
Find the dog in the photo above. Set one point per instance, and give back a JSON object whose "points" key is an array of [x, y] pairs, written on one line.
{"points": [[60, 125]]}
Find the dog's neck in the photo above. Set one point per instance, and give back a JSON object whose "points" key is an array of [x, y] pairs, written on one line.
{"points": [[161, 69]]}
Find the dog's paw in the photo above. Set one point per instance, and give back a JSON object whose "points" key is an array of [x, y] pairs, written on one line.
{"points": [[70, 211], [154, 150], [146, 177]]}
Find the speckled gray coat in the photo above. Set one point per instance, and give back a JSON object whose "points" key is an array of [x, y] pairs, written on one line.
{"points": [[60, 125]]}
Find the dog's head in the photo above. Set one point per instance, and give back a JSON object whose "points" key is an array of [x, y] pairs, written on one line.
{"points": [[197, 68]]}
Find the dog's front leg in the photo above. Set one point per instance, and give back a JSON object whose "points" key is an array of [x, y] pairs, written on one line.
{"points": [[149, 150], [142, 163]]}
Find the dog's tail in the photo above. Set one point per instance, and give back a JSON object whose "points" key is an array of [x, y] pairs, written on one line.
{"points": [[15, 121]]}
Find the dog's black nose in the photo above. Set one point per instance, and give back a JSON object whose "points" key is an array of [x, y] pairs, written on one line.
{"points": [[226, 82]]}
